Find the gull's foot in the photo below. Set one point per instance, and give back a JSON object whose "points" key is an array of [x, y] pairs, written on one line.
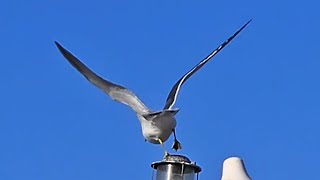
{"points": [[176, 145], [166, 154]]}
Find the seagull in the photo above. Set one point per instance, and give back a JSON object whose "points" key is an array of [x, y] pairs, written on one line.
{"points": [[156, 126]]}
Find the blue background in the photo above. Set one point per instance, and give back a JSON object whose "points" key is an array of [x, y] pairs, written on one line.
{"points": [[258, 99]]}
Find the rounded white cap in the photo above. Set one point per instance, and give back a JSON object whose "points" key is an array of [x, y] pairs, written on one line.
{"points": [[233, 169]]}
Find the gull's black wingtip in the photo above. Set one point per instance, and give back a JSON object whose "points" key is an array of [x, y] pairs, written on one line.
{"points": [[235, 34], [244, 25], [249, 21], [61, 48], [57, 44]]}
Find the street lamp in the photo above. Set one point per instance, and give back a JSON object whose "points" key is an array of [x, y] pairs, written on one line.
{"points": [[175, 167]]}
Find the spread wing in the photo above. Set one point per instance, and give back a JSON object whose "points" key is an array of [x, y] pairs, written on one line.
{"points": [[176, 88], [115, 91]]}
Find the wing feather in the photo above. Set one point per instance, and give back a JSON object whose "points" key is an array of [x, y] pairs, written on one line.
{"points": [[116, 92], [176, 88]]}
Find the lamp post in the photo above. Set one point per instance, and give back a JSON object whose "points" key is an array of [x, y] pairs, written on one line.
{"points": [[175, 167]]}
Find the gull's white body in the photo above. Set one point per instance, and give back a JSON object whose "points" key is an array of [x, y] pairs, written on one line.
{"points": [[160, 127], [156, 126]]}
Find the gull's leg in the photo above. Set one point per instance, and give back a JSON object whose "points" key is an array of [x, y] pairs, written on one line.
{"points": [[162, 145], [176, 145]]}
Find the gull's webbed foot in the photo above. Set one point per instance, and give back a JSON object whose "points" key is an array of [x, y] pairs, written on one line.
{"points": [[176, 145], [166, 154]]}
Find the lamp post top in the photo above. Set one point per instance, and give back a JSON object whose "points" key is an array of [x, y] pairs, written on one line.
{"points": [[176, 160]]}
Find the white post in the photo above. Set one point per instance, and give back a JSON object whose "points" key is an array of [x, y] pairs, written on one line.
{"points": [[234, 169]]}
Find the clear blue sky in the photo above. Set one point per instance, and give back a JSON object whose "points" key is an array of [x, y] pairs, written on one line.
{"points": [[258, 99]]}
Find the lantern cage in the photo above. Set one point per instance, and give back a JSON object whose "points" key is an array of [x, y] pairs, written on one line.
{"points": [[175, 167]]}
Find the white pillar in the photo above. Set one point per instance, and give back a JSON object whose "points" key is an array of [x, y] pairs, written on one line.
{"points": [[234, 169]]}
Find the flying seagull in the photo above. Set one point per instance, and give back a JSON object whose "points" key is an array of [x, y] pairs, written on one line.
{"points": [[157, 126]]}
